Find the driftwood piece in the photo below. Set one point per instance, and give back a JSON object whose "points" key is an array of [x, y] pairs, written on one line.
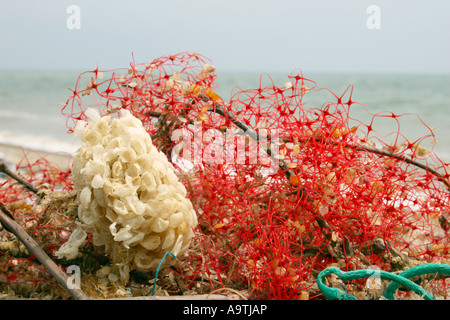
{"points": [[405, 159], [4, 168], [12, 226]]}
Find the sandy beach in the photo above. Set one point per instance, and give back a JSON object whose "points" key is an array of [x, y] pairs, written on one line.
{"points": [[13, 155]]}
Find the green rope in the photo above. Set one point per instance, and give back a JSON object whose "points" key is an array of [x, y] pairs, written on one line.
{"points": [[423, 269], [401, 279]]}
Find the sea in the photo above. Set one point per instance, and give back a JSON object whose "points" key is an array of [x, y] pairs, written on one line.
{"points": [[30, 104]]}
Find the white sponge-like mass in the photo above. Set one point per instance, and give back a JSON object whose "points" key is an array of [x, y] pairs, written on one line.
{"points": [[130, 198]]}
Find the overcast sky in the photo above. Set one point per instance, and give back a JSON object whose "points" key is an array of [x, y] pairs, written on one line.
{"points": [[255, 35]]}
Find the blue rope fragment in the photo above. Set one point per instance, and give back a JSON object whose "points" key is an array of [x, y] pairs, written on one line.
{"points": [[157, 270], [401, 279]]}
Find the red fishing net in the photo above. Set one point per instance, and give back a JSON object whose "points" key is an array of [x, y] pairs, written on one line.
{"points": [[282, 189], [46, 213]]}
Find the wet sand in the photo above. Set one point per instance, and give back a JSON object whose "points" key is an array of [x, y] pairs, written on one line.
{"points": [[14, 155]]}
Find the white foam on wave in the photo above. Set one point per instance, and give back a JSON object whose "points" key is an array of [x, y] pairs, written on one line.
{"points": [[39, 143], [14, 115]]}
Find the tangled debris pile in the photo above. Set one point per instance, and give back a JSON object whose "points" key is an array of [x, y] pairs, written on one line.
{"points": [[281, 191]]}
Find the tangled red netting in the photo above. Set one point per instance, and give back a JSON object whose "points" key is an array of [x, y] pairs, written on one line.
{"points": [[282, 190]]}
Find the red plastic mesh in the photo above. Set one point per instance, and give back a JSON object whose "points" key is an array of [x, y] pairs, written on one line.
{"points": [[341, 189], [334, 192], [21, 274]]}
